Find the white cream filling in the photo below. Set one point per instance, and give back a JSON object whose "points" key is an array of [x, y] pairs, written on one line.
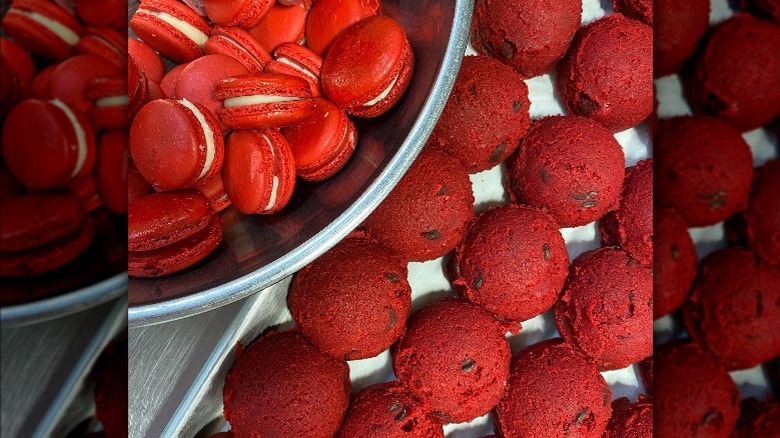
{"points": [[257, 99], [62, 31], [222, 198], [182, 26], [241, 48], [207, 132], [298, 66], [384, 94], [275, 181], [111, 101], [81, 137]]}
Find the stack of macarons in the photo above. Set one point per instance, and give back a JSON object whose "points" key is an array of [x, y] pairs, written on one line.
{"points": [[726, 303], [64, 143], [254, 94]]}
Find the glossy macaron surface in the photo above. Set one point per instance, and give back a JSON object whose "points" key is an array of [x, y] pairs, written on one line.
{"points": [[190, 138], [47, 143], [259, 171], [368, 66], [267, 100], [171, 28], [323, 143]]}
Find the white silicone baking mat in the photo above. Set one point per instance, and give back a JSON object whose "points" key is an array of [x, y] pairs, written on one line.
{"points": [[763, 144]]}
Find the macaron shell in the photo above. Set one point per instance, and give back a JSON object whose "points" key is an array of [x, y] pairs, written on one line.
{"points": [[137, 186], [103, 12], [354, 72], [111, 170], [104, 42], [103, 115], [17, 59], [146, 58], [395, 92], [44, 259], [305, 64], [9, 186], [238, 44], [168, 83], [40, 144], [214, 190], [265, 115], [173, 156], [34, 219], [36, 37], [10, 89], [41, 81], [253, 161], [161, 219], [180, 255], [323, 143], [196, 82], [243, 13], [69, 81], [282, 24], [84, 188], [328, 18], [164, 37]]}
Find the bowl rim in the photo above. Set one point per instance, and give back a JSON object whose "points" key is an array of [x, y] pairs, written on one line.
{"points": [[57, 306], [288, 264]]}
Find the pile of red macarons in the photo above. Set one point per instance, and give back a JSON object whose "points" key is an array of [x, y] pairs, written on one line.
{"points": [[729, 302], [261, 94], [64, 144], [507, 264]]}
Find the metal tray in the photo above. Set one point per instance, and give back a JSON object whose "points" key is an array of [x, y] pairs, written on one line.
{"points": [[46, 370]]}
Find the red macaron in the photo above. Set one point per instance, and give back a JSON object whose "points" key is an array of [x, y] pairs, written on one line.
{"points": [[282, 24], [146, 59], [214, 190], [259, 171], [18, 60], [196, 82], [40, 232], [368, 67], [84, 188], [266, 100], [171, 28], [47, 143], [296, 60], [238, 44], [137, 186], [9, 186], [241, 13], [328, 18], [170, 231], [168, 83], [43, 28], [188, 151], [69, 81], [11, 88], [323, 143], [109, 97], [103, 13], [104, 42], [111, 170]]}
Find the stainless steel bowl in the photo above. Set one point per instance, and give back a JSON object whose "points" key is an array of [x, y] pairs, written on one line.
{"points": [[66, 304], [259, 251]]}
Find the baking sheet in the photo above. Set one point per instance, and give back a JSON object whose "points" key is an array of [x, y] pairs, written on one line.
{"points": [[763, 144], [429, 283]]}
